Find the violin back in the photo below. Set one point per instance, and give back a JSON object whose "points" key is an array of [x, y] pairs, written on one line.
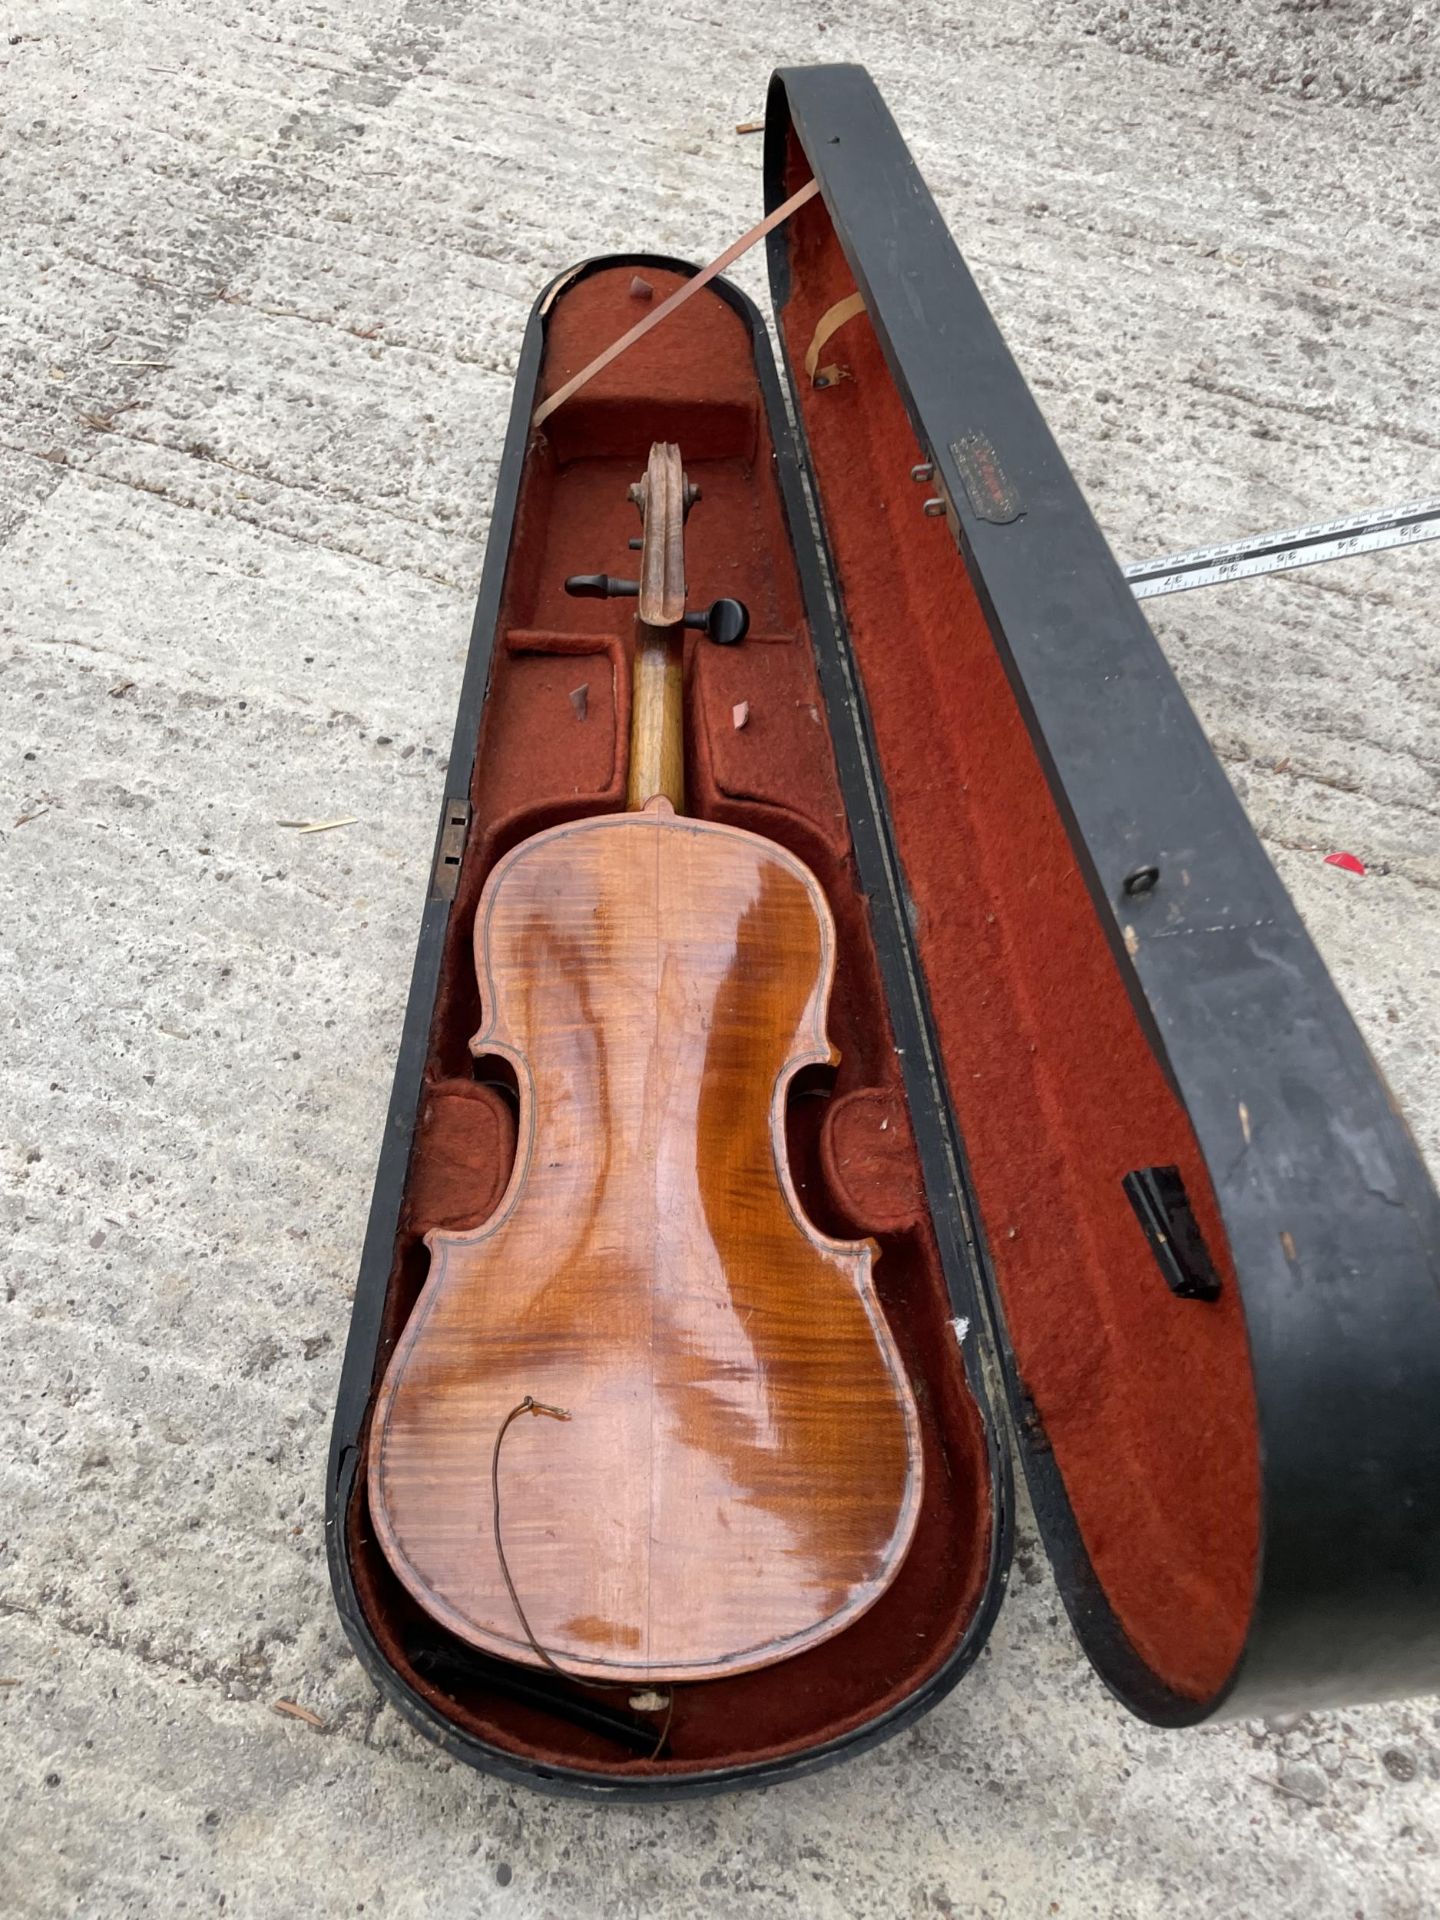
{"points": [[740, 1474]]}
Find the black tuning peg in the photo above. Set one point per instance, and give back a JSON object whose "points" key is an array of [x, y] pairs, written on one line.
{"points": [[724, 621], [601, 586]]}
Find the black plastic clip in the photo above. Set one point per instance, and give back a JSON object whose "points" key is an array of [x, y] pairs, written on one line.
{"points": [[1163, 1209]]}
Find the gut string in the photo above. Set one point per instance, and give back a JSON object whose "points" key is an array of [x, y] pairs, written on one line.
{"points": [[531, 1405]]}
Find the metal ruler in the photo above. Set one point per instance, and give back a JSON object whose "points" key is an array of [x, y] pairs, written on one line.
{"points": [[1403, 526]]}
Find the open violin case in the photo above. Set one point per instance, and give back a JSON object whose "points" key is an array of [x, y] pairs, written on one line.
{"points": [[1147, 1216]]}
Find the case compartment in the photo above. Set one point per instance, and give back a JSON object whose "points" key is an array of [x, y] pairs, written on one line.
{"points": [[533, 754]]}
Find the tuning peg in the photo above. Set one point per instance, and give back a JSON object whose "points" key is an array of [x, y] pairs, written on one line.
{"points": [[601, 586], [724, 621]]}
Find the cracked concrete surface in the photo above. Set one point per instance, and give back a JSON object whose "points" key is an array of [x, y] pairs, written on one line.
{"points": [[267, 266]]}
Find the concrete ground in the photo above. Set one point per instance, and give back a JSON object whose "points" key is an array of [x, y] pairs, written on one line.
{"points": [[267, 265]]}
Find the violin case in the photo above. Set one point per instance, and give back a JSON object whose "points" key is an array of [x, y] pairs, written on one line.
{"points": [[1148, 1219]]}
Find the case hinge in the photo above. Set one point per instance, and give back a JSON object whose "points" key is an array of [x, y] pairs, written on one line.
{"points": [[939, 503], [454, 825]]}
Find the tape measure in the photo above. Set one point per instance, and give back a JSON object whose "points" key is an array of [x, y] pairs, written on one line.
{"points": [[1403, 526]]}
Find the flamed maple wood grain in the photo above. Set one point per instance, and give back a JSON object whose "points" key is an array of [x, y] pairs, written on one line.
{"points": [[741, 1474]]}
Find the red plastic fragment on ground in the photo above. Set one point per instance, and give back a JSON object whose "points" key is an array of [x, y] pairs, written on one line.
{"points": [[1345, 860]]}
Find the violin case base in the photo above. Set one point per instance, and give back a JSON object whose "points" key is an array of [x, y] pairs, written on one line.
{"points": [[1136, 1185]]}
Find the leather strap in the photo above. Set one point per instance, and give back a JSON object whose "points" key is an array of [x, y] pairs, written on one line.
{"points": [[830, 322], [677, 299]]}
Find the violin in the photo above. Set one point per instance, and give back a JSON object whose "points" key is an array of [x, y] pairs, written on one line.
{"points": [[711, 1453]]}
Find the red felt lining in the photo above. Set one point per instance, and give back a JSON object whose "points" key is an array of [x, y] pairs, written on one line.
{"points": [[1145, 1399], [547, 755]]}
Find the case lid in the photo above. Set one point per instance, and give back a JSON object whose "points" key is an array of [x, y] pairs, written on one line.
{"points": [[1209, 1247]]}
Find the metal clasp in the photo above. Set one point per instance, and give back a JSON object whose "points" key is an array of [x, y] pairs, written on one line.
{"points": [[455, 825]]}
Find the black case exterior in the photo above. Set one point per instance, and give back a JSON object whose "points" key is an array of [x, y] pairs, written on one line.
{"points": [[1332, 1220]]}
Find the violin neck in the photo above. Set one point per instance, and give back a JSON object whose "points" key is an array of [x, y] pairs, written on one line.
{"points": [[657, 705], [657, 717]]}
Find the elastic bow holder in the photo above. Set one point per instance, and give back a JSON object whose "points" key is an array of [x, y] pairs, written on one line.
{"points": [[1138, 1189]]}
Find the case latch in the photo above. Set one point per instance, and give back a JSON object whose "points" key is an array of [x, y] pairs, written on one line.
{"points": [[454, 825]]}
